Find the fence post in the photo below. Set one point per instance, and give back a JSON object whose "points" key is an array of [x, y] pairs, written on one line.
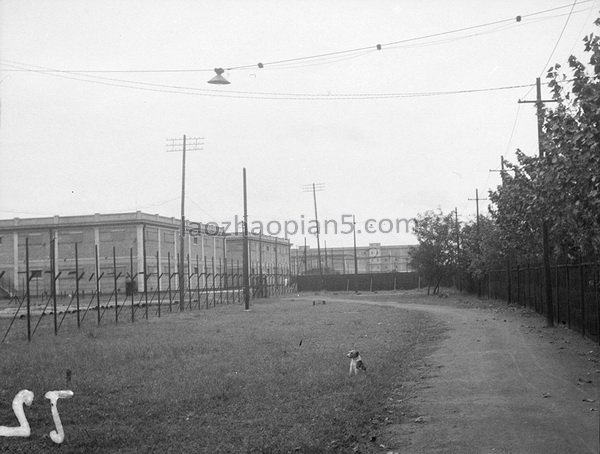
{"points": [[198, 281], [568, 295], [77, 277], [596, 301], [581, 295], [169, 271], [557, 295], [53, 283], [190, 275], [132, 276], [97, 285], [212, 266], [146, 277], [528, 284], [519, 284], [28, 292], [508, 281], [115, 277], [220, 281], [206, 282], [158, 276], [226, 285]]}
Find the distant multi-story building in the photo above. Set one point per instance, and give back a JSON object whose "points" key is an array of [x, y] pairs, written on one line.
{"points": [[125, 244], [268, 254], [374, 258]]}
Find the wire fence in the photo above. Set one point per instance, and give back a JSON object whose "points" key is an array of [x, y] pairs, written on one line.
{"points": [[575, 293], [114, 296]]}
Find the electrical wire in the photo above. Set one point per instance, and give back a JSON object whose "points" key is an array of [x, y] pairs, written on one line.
{"points": [[327, 56], [174, 89], [514, 127], [559, 38], [555, 44]]}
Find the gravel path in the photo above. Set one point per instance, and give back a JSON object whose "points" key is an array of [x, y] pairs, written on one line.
{"points": [[499, 383]]}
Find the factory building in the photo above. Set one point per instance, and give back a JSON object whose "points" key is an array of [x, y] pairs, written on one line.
{"points": [[374, 258], [116, 248]]}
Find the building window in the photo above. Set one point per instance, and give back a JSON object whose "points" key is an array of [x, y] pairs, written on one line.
{"points": [[195, 240], [0, 240]]}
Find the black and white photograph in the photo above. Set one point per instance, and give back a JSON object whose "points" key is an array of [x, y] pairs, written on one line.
{"points": [[355, 227]]}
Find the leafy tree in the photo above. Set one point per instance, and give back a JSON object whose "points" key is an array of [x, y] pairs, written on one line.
{"points": [[435, 257], [563, 187], [481, 247]]}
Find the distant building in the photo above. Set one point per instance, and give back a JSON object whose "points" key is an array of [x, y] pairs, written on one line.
{"points": [[374, 258], [125, 243], [265, 253]]}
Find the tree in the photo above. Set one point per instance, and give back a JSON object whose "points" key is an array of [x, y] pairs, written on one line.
{"points": [[435, 257], [563, 187]]}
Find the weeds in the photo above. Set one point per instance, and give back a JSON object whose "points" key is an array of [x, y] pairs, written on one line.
{"points": [[230, 381]]}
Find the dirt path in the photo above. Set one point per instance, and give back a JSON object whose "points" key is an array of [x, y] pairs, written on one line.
{"points": [[500, 383]]}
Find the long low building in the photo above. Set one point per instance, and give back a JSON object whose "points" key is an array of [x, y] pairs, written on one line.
{"points": [[117, 245], [374, 258]]}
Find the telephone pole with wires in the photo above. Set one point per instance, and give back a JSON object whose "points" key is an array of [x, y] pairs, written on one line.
{"points": [[508, 262], [314, 187], [183, 145], [477, 199], [545, 246]]}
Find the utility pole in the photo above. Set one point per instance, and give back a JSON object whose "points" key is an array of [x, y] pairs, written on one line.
{"points": [[354, 237], [183, 145], [458, 249], [545, 246], [260, 260], [305, 259], [246, 277], [508, 265], [315, 188], [477, 199]]}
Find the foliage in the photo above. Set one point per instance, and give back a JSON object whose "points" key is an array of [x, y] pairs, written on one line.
{"points": [[435, 257], [563, 187], [481, 248]]}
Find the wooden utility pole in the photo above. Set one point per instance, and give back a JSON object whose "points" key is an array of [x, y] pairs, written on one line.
{"points": [[458, 249], [246, 277], [477, 199], [354, 237], [317, 187], [305, 259], [183, 145], [545, 246], [508, 265]]}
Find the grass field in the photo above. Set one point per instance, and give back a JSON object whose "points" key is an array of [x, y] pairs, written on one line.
{"points": [[274, 379]]}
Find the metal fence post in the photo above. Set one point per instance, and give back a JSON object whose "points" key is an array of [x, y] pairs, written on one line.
{"points": [[28, 278], [97, 285], [115, 277], [581, 295], [158, 276]]}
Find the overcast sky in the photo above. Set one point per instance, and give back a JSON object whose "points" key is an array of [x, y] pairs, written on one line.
{"points": [[91, 138]]}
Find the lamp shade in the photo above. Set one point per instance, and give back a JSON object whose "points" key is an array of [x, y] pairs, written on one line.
{"points": [[219, 79]]}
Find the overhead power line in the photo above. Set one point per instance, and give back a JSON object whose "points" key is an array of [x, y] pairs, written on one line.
{"points": [[335, 56], [194, 91]]}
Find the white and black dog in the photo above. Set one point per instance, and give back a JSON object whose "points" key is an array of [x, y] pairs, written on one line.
{"points": [[356, 362]]}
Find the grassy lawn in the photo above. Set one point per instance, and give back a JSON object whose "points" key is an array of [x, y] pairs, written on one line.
{"points": [[274, 379]]}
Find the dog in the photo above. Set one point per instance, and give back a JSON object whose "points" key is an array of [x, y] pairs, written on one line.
{"points": [[356, 362]]}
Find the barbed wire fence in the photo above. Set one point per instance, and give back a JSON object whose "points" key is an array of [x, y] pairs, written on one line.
{"points": [[102, 293]]}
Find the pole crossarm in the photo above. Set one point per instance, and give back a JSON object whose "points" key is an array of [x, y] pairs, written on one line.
{"points": [[191, 144]]}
